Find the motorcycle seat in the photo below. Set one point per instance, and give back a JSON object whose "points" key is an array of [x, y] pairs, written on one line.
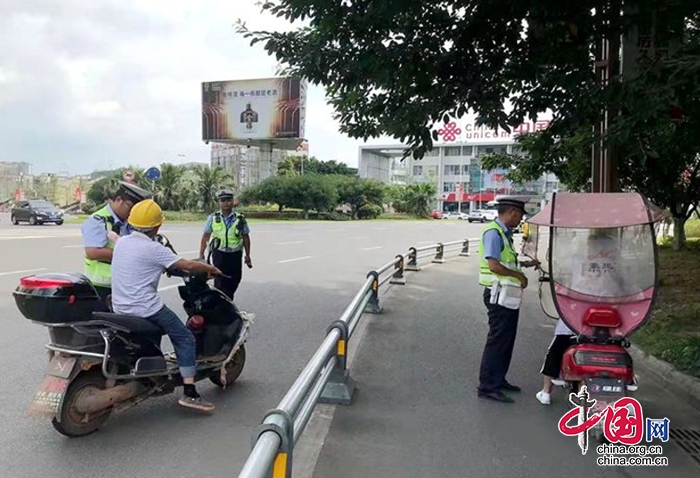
{"points": [[135, 325]]}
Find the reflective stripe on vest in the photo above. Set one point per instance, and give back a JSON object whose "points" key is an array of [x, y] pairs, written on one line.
{"points": [[230, 237], [509, 260], [100, 273]]}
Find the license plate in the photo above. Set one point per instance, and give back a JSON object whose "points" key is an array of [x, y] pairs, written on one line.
{"points": [[61, 366], [48, 397], [606, 387]]}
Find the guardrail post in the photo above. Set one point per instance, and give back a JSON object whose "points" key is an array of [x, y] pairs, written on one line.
{"points": [[465, 248], [438, 255], [340, 386], [398, 277], [284, 427], [373, 306], [412, 260]]}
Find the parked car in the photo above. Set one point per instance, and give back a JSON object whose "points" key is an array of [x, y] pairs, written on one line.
{"points": [[36, 211], [455, 215], [482, 215], [436, 214]]}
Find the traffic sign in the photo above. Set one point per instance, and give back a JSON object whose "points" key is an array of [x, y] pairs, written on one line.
{"points": [[153, 174]]}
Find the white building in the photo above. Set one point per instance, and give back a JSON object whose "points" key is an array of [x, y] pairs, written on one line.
{"points": [[454, 165], [250, 165]]}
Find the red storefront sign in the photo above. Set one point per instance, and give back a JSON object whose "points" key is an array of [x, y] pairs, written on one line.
{"points": [[480, 197]]}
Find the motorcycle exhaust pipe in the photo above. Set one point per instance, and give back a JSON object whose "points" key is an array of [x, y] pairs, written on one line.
{"points": [[93, 401]]}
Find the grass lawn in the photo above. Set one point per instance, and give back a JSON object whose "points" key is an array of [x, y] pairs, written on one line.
{"points": [[673, 332]]}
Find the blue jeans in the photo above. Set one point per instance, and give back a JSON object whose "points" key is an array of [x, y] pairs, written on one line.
{"points": [[182, 339]]}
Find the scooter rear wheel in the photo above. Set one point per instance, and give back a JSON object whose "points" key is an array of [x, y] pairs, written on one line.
{"points": [[74, 423], [233, 369]]}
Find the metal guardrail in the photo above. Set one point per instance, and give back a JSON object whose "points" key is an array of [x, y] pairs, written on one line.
{"points": [[326, 378]]}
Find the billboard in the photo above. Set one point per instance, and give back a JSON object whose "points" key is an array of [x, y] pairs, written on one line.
{"points": [[254, 111]]}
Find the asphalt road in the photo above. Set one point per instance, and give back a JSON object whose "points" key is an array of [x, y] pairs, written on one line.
{"points": [[304, 275], [416, 413]]}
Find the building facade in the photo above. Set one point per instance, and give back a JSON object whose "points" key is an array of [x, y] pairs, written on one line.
{"points": [[249, 166], [454, 166]]}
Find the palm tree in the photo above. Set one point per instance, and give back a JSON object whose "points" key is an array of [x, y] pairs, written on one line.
{"points": [[168, 187], [208, 181], [418, 197]]}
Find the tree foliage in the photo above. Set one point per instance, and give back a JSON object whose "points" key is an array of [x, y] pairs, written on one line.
{"points": [[508, 61], [293, 165]]}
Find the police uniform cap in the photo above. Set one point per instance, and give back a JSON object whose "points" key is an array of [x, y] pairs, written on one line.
{"points": [[513, 201], [225, 194], [133, 192]]}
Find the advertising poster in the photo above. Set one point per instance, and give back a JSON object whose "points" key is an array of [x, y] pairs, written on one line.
{"points": [[260, 109]]}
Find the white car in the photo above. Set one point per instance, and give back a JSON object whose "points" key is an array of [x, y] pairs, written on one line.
{"points": [[455, 215], [482, 215]]}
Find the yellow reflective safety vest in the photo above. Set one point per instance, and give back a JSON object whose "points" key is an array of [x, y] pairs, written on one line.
{"points": [[230, 238], [509, 259], [100, 273]]}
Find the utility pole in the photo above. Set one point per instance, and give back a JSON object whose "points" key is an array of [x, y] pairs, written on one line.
{"points": [[607, 69]]}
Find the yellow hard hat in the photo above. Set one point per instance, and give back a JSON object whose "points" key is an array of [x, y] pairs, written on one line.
{"points": [[146, 214]]}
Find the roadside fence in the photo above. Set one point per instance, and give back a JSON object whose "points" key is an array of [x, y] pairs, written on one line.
{"points": [[326, 378]]}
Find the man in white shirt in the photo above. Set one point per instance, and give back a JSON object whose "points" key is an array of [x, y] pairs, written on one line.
{"points": [[137, 265]]}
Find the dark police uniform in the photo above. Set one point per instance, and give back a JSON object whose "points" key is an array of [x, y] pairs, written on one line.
{"points": [[497, 243]]}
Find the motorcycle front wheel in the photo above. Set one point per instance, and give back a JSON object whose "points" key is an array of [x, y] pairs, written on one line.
{"points": [[74, 423]]}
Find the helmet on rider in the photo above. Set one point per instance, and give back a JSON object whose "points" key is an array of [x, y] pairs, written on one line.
{"points": [[146, 215]]}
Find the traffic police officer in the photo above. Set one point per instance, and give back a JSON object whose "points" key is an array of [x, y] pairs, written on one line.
{"points": [[499, 263], [227, 235], [101, 231]]}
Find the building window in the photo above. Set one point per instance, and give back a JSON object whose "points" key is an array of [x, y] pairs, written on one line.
{"points": [[434, 152], [432, 171], [467, 150], [452, 170], [449, 187], [418, 170], [465, 169], [453, 151]]}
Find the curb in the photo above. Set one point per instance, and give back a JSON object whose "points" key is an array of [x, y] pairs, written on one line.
{"points": [[676, 382]]}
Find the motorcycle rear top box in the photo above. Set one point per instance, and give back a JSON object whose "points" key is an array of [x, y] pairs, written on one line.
{"points": [[56, 298]]}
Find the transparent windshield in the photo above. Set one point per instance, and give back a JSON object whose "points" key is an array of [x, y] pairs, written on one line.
{"points": [[41, 205], [604, 263]]}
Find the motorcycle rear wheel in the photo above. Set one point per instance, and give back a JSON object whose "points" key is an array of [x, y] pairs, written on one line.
{"points": [[76, 424], [233, 369]]}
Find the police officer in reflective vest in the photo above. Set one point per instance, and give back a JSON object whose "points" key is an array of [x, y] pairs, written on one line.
{"points": [[227, 235], [101, 231], [499, 268]]}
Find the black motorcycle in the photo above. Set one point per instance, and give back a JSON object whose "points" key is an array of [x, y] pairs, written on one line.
{"points": [[100, 362]]}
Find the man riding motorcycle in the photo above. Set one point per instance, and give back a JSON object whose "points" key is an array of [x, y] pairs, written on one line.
{"points": [[137, 265]]}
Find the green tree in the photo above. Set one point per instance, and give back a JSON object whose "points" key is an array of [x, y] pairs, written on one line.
{"points": [[292, 165], [356, 192], [208, 181], [168, 187], [311, 192], [418, 198], [276, 190], [101, 190]]}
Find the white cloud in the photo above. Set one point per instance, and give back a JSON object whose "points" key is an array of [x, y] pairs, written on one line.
{"points": [[89, 85]]}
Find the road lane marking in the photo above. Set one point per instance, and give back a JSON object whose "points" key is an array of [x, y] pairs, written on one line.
{"points": [[289, 243], [358, 237], [21, 272], [372, 248], [295, 259], [17, 238]]}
